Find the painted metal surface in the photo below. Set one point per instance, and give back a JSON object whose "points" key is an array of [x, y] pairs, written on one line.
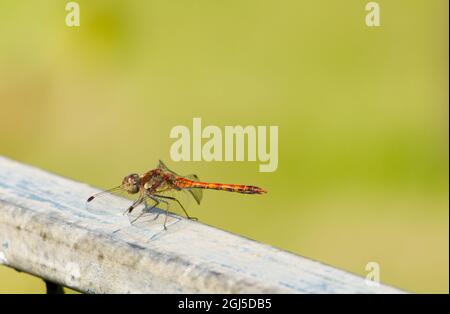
{"points": [[46, 230]]}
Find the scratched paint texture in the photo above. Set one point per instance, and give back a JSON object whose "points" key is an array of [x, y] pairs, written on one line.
{"points": [[46, 230]]}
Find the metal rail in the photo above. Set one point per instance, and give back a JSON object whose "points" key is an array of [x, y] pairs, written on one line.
{"points": [[45, 230]]}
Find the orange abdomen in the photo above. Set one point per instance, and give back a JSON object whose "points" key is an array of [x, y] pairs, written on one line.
{"points": [[238, 188]]}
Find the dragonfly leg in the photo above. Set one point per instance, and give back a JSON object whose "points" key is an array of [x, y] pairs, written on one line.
{"points": [[133, 206], [158, 200], [143, 212], [165, 219], [179, 203]]}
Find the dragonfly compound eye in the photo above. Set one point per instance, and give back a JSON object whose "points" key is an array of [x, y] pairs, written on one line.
{"points": [[131, 183]]}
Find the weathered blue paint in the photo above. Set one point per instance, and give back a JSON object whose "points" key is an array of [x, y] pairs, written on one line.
{"points": [[50, 232]]}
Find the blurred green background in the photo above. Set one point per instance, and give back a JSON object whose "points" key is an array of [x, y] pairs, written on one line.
{"points": [[362, 115]]}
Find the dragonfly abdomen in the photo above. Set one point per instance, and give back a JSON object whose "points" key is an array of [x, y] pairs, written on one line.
{"points": [[238, 188]]}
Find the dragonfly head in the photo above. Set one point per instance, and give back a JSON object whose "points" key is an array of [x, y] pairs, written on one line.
{"points": [[131, 183]]}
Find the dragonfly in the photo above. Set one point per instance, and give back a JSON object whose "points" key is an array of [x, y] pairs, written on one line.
{"points": [[162, 185]]}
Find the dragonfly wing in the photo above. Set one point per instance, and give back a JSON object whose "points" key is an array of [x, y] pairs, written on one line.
{"points": [[196, 193], [162, 166], [177, 201], [115, 202]]}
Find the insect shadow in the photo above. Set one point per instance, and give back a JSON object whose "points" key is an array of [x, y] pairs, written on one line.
{"points": [[149, 215]]}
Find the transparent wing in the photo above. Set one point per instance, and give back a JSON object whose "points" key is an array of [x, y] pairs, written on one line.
{"points": [[154, 213], [148, 212], [162, 166], [115, 201], [196, 193], [176, 201]]}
